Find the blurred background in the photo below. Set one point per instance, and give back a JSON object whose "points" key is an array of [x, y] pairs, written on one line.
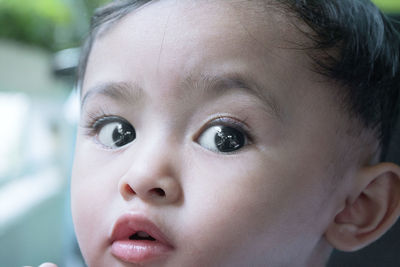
{"points": [[39, 50], [39, 108]]}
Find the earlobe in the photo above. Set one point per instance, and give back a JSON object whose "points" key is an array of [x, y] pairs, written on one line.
{"points": [[372, 209]]}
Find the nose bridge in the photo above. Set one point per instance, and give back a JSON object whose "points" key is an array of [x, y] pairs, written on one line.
{"points": [[153, 174], [156, 152]]}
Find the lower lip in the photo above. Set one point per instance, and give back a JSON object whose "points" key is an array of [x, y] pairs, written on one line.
{"points": [[139, 251]]}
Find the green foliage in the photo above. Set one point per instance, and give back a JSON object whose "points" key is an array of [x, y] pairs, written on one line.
{"points": [[389, 6], [91, 5], [54, 10], [32, 21], [42, 22]]}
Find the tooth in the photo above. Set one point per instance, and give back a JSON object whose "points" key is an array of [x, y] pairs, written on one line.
{"points": [[142, 234]]}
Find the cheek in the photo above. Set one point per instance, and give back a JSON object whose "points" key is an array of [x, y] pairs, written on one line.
{"points": [[95, 177], [255, 205], [84, 204], [93, 191]]}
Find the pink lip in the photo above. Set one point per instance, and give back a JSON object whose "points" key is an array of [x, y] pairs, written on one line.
{"points": [[137, 251]]}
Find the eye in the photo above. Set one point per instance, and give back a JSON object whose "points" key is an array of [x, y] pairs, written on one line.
{"points": [[114, 132], [222, 139]]}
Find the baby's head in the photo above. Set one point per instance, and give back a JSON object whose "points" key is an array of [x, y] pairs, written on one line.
{"points": [[235, 133]]}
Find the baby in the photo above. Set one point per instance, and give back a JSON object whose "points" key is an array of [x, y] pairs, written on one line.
{"points": [[235, 132]]}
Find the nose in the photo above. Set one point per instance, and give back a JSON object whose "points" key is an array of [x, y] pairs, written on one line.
{"points": [[152, 179]]}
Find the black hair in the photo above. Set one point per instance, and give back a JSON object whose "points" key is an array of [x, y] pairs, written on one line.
{"points": [[366, 61]]}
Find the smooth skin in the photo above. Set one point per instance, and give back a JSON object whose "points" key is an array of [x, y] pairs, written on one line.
{"points": [[304, 182]]}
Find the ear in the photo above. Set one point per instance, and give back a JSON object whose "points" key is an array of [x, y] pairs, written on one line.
{"points": [[371, 210]]}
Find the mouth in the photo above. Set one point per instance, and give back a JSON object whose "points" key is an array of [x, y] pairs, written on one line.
{"points": [[140, 235], [135, 239]]}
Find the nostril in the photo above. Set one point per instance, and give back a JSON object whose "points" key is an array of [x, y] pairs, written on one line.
{"points": [[158, 192], [129, 189]]}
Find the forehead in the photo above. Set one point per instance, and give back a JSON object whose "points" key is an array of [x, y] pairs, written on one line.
{"points": [[196, 36]]}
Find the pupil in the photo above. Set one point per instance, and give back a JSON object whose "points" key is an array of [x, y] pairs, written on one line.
{"points": [[123, 134], [228, 139]]}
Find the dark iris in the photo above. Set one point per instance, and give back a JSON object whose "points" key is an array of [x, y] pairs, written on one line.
{"points": [[228, 139], [123, 134]]}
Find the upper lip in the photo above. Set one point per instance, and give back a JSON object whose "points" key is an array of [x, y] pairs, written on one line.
{"points": [[131, 223]]}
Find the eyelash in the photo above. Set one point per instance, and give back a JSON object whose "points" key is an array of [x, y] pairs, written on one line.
{"points": [[228, 121], [95, 120]]}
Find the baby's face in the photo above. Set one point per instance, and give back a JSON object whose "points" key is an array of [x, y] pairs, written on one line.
{"points": [[203, 128]]}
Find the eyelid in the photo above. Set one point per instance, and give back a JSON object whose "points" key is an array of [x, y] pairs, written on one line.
{"points": [[88, 118], [100, 122], [230, 121], [93, 121]]}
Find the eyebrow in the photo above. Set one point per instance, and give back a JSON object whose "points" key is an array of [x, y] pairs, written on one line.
{"points": [[203, 84], [220, 85], [119, 91]]}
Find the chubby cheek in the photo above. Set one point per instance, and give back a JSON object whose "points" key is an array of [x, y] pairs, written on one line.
{"points": [[91, 197], [257, 209]]}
